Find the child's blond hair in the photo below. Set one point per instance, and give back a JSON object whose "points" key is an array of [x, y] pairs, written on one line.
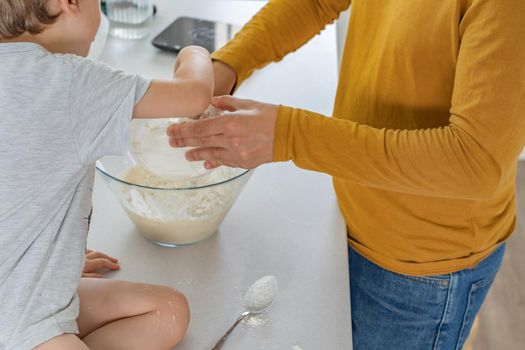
{"points": [[23, 16]]}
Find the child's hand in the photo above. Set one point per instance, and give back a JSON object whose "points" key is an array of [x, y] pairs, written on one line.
{"points": [[98, 263]]}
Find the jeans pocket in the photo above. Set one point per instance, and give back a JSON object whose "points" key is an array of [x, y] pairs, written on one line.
{"points": [[478, 292], [437, 280]]}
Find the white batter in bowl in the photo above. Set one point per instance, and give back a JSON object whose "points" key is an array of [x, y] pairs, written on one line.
{"points": [[168, 212]]}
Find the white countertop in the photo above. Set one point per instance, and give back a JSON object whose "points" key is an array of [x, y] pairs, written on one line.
{"points": [[285, 223]]}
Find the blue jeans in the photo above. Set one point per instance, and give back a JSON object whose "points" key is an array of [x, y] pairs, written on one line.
{"points": [[393, 311]]}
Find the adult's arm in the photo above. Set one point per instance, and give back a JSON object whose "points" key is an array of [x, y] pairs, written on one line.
{"points": [[467, 159], [282, 26]]}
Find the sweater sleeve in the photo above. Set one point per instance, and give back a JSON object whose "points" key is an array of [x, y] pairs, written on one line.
{"points": [[467, 159], [282, 26]]}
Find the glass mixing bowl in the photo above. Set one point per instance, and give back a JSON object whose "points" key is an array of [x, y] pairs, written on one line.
{"points": [[172, 213]]}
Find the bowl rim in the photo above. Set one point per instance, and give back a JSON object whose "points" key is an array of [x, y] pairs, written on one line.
{"points": [[106, 174]]}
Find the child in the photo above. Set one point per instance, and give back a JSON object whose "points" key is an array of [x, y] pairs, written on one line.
{"points": [[59, 114]]}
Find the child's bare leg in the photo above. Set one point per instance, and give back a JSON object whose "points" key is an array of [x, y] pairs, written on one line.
{"points": [[63, 342], [125, 315]]}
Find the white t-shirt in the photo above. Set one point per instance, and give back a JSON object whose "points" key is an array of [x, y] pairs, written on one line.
{"points": [[58, 115]]}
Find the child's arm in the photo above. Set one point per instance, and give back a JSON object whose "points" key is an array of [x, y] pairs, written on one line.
{"points": [[187, 95]]}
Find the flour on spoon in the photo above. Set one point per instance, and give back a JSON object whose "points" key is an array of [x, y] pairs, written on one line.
{"points": [[261, 294]]}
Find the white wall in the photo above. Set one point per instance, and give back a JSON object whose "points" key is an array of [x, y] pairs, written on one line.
{"points": [[342, 26]]}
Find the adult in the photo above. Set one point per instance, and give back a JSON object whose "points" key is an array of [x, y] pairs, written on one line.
{"points": [[426, 131]]}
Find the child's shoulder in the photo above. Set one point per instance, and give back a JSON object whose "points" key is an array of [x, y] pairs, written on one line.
{"points": [[26, 59], [83, 63]]}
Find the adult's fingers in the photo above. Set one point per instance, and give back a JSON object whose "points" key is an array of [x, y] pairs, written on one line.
{"points": [[212, 141], [198, 128], [229, 124], [94, 255], [219, 155], [230, 103], [212, 164], [99, 264]]}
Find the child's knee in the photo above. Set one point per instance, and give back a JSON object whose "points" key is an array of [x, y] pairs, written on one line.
{"points": [[175, 303], [173, 309]]}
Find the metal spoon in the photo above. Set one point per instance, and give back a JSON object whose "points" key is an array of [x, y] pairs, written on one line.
{"points": [[257, 299], [221, 342]]}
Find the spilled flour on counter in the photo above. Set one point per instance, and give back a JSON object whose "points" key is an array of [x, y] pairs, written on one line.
{"points": [[257, 320]]}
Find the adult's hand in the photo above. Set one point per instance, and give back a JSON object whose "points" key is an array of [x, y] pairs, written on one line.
{"points": [[242, 137], [225, 78]]}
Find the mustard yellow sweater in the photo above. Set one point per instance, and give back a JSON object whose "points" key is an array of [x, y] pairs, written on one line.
{"points": [[428, 122]]}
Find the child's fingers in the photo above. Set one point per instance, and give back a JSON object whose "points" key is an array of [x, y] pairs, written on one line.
{"points": [[92, 275], [95, 255], [99, 264]]}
